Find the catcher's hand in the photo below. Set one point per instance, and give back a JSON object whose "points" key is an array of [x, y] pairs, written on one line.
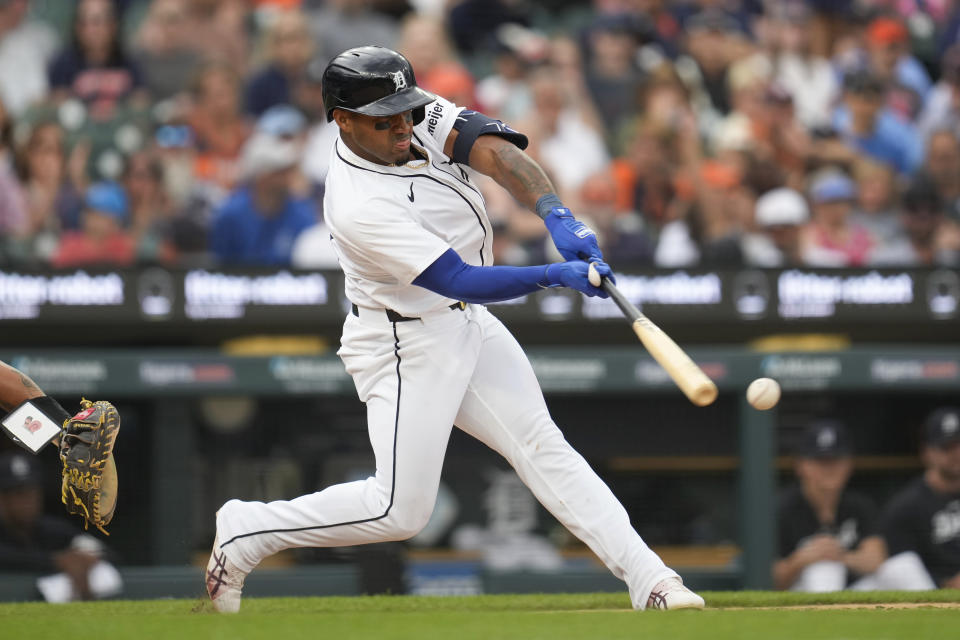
{"points": [[89, 473]]}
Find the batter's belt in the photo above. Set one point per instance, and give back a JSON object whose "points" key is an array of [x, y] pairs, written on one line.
{"points": [[393, 316]]}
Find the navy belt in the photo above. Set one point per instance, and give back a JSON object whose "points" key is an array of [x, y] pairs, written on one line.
{"points": [[393, 316]]}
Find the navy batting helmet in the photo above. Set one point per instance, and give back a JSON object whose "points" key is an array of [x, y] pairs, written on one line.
{"points": [[374, 81]]}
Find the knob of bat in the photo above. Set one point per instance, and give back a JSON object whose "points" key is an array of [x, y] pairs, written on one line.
{"points": [[593, 276]]}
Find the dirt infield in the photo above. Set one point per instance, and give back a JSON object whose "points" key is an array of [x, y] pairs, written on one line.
{"points": [[849, 605], [798, 607]]}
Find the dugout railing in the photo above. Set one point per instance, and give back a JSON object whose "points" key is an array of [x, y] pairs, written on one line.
{"points": [[730, 439]]}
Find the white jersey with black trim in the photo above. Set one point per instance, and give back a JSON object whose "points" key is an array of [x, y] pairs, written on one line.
{"points": [[389, 223]]}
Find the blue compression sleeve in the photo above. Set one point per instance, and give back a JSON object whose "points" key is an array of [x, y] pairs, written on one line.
{"points": [[453, 278]]}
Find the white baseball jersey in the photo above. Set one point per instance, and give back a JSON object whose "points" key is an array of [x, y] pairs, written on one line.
{"points": [[420, 375], [389, 223]]}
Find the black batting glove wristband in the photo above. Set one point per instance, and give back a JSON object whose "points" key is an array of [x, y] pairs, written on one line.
{"points": [[547, 203], [35, 422], [51, 408]]}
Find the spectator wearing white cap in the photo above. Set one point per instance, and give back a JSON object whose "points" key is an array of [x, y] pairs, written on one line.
{"points": [[779, 216], [259, 221]]}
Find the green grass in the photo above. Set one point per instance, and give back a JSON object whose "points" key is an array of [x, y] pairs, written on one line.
{"points": [[530, 617]]}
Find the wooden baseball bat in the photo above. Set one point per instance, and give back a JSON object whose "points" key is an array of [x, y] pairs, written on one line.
{"points": [[694, 383]]}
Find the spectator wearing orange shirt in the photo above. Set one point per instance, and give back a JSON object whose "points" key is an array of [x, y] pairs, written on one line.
{"points": [[623, 235], [218, 124]]}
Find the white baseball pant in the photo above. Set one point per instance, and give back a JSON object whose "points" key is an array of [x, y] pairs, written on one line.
{"points": [[418, 378], [902, 572]]}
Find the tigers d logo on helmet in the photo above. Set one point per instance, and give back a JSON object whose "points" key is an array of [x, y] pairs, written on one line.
{"points": [[373, 81]]}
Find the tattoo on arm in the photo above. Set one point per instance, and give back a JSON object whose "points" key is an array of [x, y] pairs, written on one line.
{"points": [[10, 397], [519, 174], [28, 383], [15, 387]]}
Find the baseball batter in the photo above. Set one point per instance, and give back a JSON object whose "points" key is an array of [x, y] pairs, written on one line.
{"points": [[413, 239]]}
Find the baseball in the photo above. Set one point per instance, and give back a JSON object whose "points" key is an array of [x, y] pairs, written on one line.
{"points": [[593, 276], [763, 393]]}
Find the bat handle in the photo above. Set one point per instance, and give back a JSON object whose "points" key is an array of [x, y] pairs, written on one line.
{"points": [[630, 311]]}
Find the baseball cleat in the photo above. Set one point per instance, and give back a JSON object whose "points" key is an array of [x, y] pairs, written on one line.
{"points": [[671, 594], [224, 581]]}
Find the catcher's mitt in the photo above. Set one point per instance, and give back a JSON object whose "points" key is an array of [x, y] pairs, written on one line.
{"points": [[89, 473]]}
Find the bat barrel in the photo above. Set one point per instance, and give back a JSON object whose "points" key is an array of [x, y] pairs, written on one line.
{"points": [[702, 394], [694, 383], [691, 379]]}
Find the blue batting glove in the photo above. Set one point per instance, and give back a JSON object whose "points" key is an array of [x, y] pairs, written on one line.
{"points": [[608, 274], [575, 275], [574, 240]]}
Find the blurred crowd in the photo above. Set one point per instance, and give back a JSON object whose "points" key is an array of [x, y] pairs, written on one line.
{"points": [[716, 133]]}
